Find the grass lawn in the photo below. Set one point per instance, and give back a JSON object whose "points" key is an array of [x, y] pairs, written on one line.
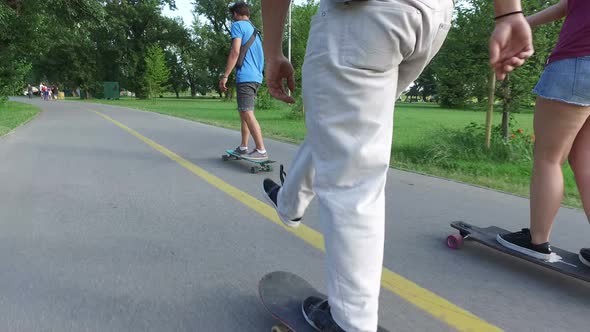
{"points": [[415, 133], [13, 114]]}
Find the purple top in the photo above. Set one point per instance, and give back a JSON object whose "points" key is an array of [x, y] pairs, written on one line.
{"points": [[574, 38]]}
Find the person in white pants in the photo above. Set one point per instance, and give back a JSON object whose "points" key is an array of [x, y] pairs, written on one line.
{"points": [[360, 56]]}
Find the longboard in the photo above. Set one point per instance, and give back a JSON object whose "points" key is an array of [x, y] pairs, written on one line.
{"points": [[561, 261]]}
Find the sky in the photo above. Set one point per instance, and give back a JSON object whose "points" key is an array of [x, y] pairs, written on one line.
{"points": [[184, 10]]}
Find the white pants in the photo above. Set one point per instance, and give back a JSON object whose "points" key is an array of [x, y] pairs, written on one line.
{"points": [[360, 56]]}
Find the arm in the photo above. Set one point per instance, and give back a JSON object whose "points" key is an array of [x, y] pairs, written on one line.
{"points": [[506, 6], [274, 13], [511, 42], [232, 58], [548, 15], [278, 67]]}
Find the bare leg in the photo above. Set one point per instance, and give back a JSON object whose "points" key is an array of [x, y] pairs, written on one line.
{"points": [[580, 162], [252, 124], [556, 126], [245, 132]]}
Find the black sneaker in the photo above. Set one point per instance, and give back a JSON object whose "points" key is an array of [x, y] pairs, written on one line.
{"points": [[521, 242], [585, 256], [271, 193], [239, 150], [317, 313]]}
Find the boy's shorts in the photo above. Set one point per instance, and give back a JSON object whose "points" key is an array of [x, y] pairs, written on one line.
{"points": [[247, 95]]}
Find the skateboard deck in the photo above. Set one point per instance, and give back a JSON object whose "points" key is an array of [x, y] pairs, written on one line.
{"points": [[282, 294], [561, 261], [260, 165]]}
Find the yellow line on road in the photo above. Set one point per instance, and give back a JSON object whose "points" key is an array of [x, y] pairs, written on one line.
{"points": [[422, 298]]}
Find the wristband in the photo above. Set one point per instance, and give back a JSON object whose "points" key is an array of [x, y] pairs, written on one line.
{"points": [[508, 14]]}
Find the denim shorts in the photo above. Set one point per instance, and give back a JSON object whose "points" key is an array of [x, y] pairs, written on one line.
{"points": [[247, 96], [566, 80]]}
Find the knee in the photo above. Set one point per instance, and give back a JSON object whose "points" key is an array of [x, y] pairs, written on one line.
{"points": [[246, 115], [549, 156]]}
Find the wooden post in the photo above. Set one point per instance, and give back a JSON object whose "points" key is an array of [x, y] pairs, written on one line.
{"points": [[490, 111]]}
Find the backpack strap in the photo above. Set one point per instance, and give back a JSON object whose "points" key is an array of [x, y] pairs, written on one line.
{"points": [[244, 49]]}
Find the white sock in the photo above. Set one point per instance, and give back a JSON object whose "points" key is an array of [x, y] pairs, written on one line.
{"points": [[261, 151], [243, 148]]}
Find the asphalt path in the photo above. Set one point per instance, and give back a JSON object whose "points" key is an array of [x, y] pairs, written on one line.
{"points": [[115, 219]]}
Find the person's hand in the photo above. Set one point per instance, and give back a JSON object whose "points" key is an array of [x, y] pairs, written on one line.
{"points": [[222, 84], [279, 69], [510, 45]]}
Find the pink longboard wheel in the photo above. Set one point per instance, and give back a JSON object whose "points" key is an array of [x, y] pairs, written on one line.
{"points": [[455, 241]]}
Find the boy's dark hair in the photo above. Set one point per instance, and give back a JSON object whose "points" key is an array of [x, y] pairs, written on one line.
{"points": [[241, 8]]}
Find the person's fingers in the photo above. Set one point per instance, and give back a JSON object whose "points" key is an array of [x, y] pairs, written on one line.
{"points": [[517, 62], [514, 62], [276, 91], [516, 53], [280, 94], [500, 74], [284, 98], [291, 82], [507, 68], [277, 72], [527, 53], [510, 64]]}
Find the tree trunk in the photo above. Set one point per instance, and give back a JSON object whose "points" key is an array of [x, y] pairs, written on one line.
{"points": [[192, 85], [505, 108], [490, 111], [505, 119]]}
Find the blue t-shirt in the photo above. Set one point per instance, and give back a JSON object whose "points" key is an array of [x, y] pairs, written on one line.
{"points": [[251, 70]]}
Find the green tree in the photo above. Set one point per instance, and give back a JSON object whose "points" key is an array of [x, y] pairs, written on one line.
{"points": [[426, 84], [177, 81], [27, 30], [204, 58], [462, 66], [156, 72], [213, 35], [300, 26]]}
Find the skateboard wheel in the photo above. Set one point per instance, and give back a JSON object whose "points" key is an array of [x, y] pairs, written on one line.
{"points": [[225, 157], [455, 241], [280, 328], [253, 170]]}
